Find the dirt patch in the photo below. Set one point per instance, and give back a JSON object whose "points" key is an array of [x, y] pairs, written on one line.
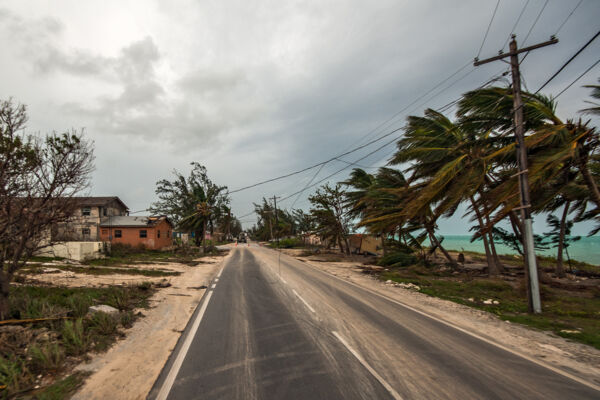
{"points": [[129, 369]]}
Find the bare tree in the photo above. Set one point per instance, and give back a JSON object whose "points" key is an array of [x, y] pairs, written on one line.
{"points": [[39, 176]]}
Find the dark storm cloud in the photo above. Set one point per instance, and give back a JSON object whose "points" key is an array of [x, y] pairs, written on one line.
{"points": [[257, 89]]}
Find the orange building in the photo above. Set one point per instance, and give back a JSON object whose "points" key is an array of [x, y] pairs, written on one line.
{"points": [[151, 232]]}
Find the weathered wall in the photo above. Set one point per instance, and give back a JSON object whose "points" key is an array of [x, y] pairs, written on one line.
{"points": [[78, 251], [131, 236]]}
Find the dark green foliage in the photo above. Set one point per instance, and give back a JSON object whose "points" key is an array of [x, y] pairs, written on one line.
{"points": [[288, 243], [397, 259], [510, 239]]}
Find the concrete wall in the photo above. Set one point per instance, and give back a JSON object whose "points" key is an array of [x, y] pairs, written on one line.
{"points": [[78, 251]]}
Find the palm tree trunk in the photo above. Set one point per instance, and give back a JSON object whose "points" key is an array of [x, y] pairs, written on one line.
{"points": [[439, 245], [204, 237], [492, 267], [340, 244], [587, 176], [560, 269]]}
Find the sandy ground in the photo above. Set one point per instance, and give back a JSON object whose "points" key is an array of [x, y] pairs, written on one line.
{"points": [[576, 358], [128, 370]]}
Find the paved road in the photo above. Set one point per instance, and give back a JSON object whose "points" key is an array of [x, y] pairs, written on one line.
{"points": [[276, 328]]}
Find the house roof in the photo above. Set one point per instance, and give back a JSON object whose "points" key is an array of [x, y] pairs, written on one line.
{"points": [[130, 221], [98, 201]]}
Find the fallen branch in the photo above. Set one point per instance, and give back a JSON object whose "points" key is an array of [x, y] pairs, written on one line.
{"points": [[30, 320]]}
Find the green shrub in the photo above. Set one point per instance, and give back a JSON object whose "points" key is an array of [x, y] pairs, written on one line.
{"points": [[397, 259], [103, 324], [46, 357], [126, 318], [288, 243], [74, 337], [14, 375]]}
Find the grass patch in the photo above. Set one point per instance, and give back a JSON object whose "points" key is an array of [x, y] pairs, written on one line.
{"points": [[288, 243], [127, 255], [42, 348], [563, 310], [63, 388]]}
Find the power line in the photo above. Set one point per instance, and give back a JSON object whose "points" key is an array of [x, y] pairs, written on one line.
{"points": [[568, 16], [308, 184], [488, 29], [578, 78], [534, 23], [568, 61], [384, 123], [515, 25], [312, 166], [346, 167]]}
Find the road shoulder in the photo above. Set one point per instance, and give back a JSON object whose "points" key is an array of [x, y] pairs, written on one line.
{"points": [[130, 368]]}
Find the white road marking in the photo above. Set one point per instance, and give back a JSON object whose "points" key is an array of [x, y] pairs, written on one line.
{"points": [[284, 281], [220, 272], [450, 324], [383, 382], [216, 279], [214, 285], [304, 301], [168, 383]]}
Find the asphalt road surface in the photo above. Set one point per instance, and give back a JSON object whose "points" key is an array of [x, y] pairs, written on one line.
{"points": [[272, 327]]}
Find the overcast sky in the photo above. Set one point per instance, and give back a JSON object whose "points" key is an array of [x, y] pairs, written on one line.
{"points": [[256, 89]]}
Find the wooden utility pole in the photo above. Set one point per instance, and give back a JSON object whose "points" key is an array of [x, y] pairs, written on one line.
{"points": [[533, 287], [276, 220]]}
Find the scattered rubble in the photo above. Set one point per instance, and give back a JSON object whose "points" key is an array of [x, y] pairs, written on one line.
{"points": [[103, 308]]}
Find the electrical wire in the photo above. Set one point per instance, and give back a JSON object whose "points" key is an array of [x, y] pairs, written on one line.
{"points": [[535, 22], [568, 16], [346, 167], [488, 28], [568, 62], [311, 167], [307, 185], [515, 25], [578, 78], [385, 123]]}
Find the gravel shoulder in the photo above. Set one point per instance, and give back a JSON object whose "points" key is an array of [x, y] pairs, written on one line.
{"points": [[575, 358], [128, 370]]}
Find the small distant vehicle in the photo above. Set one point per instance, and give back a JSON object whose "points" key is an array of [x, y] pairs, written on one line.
{"points": [[242, 238]]}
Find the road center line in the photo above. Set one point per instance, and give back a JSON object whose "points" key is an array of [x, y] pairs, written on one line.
{"points": [[168, 384], [220, 272], [304, 301], [383, 382]]}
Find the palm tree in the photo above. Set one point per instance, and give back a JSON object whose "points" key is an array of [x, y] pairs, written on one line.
{"points": [[330, 215], [453, 165]]}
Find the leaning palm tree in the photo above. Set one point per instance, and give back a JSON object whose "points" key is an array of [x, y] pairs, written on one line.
{"points": [[453, 164]]}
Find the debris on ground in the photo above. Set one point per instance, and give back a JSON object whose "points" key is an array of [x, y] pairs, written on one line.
{"points": [[103, 308]]}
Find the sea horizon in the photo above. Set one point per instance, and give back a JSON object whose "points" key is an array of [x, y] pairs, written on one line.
{"points": [[587, 249]]}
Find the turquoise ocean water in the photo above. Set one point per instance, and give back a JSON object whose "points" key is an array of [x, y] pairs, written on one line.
{"points": [[586, 249]]}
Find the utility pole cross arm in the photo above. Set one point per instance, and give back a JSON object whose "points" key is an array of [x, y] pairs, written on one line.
{"points": [[477, 62]]}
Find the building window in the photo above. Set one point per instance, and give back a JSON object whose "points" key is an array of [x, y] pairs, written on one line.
{"points": [[117, 233], [158, 234], [86, 211], [104, 211], [104, 231], [143, 233], [85, 231]]}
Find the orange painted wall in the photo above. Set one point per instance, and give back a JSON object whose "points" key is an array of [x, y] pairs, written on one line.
{"points": [[131, 236]]}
